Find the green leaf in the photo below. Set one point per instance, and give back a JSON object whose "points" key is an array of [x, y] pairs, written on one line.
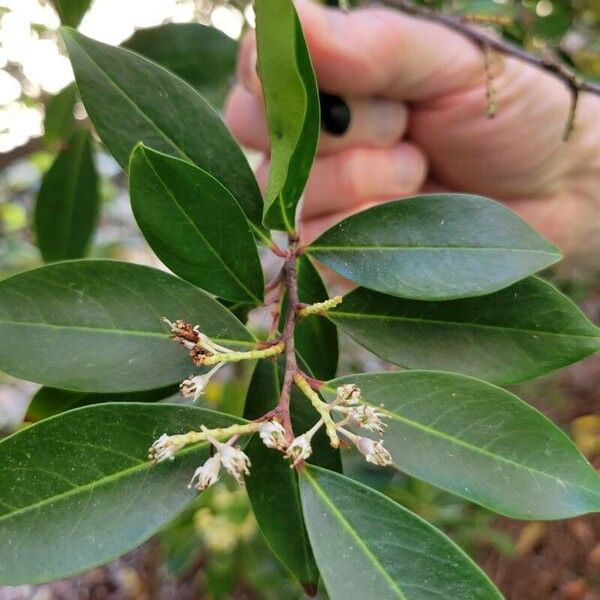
{"points": [[68, 202], [48, 401], [273, 486], [292, 106], [436, 247], [203, 56], [130, 99], [71, 11], [78, 491], [95, 326], [195, 226], [367, 546], [518, 333], [480, 442], [316, 338], [59, 120]]}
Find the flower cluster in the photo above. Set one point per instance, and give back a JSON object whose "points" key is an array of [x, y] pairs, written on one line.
{"points": [[204, 351], [355, 413], [347, 409]]}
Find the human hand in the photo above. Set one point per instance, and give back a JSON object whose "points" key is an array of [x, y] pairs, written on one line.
{"points": [[417, 94]]}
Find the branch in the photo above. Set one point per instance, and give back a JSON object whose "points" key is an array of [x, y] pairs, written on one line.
{"points": [[291, 367], [575, 84], [20, 152]]}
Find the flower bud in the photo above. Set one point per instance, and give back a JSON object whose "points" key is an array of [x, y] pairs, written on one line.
{"points": [[272, 434], [300, 449], [163, 448], [348, 394], [235, 461], [373, 451], [207, 474], [195, 386]]}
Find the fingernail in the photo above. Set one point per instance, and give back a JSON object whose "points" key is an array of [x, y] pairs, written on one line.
{"points": [[335, 114]]}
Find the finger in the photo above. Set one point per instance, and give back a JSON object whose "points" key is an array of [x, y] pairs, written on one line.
{"points": [[342, 181], [374, 122], [377, 51]]}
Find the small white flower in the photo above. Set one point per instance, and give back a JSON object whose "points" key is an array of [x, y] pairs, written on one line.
{"points": [[163, 448], [207, 474], [373, 451], [207, 344], [235, 461], [364, 416], [272, 434], [195, 386], [300, 449], [347, 395]]}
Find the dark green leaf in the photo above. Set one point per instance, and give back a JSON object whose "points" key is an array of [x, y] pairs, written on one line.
{"points": [[48, 401], [203, 56], [316, 339], [436, 247], [68, 202], [367, 546], [480, 442], [95, 326], [131, 99], [195, 226], [273, 486], [518, 333], [59, 120], [292, 106], [71, 11], [77, 489]]}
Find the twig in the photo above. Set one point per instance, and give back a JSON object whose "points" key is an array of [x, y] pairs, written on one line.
{"points": [[459, 24], [291, 367], [490, 90]]}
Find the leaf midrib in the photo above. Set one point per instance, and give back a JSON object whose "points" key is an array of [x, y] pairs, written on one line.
{"points": [[397, 247], [72, 193], [359, 316], [353, 533], [91, 485], [131, 332]]}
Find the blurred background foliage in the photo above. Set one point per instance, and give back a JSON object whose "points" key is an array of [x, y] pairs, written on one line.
{"points": [[214, 550]]}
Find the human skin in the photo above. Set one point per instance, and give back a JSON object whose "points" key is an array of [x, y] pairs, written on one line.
{"points": [[417, 93]]}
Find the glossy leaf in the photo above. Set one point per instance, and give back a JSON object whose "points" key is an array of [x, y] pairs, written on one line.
{"points": [[480, 442], [59, 120], [95, 326], [130, 99], [315, 337], [68, 202], [195, 226], [203, 56], [78, 491], [292, 107], [436, 247], [367, 546], [273, 486], [71, 11], [48, 401], [518, 333]]}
